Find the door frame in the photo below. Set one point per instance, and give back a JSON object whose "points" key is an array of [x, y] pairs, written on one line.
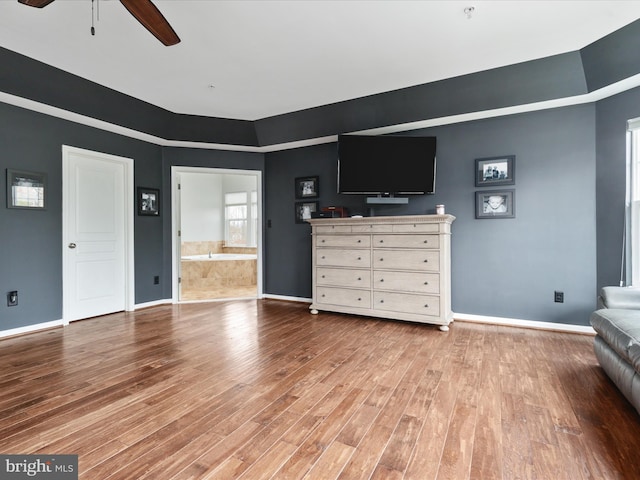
{"points": [[129, 204], [175, 214]]}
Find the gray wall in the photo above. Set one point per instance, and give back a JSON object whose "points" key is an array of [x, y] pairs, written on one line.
{"points": [[611, 144], [500, 267], [504, 267], [32, 240]]}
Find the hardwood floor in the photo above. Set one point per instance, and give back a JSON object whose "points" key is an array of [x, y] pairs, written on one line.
{"points": [[261, 389]]}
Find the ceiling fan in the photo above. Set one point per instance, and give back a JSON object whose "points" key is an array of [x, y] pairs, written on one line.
{"points": [[143, 10]]}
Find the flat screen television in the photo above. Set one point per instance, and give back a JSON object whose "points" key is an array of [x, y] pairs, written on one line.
{"points": [[386, 165]]}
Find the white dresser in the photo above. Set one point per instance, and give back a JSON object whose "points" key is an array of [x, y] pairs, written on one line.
{"points": [[389, 267]]}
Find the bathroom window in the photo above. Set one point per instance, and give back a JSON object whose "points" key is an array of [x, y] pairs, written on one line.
{"points": [[241, 218]]}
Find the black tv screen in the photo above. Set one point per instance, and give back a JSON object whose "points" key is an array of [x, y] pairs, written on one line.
{"points": [[386, 165]]}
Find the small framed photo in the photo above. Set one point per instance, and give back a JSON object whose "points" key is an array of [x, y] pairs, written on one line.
{"points": [[496, 204], [307, 187], [148, 201], [26, 189], [496, 171], [305, 209]]}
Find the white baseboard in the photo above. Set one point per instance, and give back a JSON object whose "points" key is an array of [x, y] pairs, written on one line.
{"points": [[463, 317], [286, 298], [515, 322], [155, 303], [61, 323], [31, 328]]}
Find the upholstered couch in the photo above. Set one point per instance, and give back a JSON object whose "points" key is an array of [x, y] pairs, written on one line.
{"points": [[617, 343]]}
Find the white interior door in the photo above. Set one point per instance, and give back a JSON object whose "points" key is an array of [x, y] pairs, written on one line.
{"points": [[95, 233]]}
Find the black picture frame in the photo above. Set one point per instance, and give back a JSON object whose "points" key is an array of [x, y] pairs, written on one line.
{"points": [[488, 205], [303, 210], [307, 187], [493, 171], [148, 201], [26, 190]]}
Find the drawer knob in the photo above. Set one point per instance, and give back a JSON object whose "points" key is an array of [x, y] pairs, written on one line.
{"points": [[359, 258], [323, 257], [359, 278], [381, 241], [426, 283], [426, 241], [322, 241], [359, 241], [359, 299], [323, 295], [426, 261], [322, 276], [426, 305], [382, 279], [382, 259], [381, 301]]}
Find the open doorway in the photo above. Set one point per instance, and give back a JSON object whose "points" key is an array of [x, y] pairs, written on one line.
{"points": [[217, 234]]}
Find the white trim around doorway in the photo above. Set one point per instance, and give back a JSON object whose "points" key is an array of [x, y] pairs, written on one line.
{"points": [[175, 212]]}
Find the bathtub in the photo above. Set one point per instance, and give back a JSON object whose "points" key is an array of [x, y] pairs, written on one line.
{"points": [[222, 256], [220, 270]]}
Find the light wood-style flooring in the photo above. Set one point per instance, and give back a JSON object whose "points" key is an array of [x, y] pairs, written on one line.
{"points": [[261, 389]]}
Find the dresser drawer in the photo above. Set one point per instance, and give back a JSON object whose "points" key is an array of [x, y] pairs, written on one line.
{"points": [[406, 303], [372, 228], [342, 277], [406, 241], [333, 229], [343, 257], [422, 260], [343, 297], [416, 228], [343, 241], [416, 282]]}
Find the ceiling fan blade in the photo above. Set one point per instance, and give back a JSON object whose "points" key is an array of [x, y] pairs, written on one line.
{"points": [[35, 3], [150, 17]]}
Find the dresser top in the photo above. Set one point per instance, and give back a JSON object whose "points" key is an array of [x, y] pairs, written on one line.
{"points": [[383, 220]]}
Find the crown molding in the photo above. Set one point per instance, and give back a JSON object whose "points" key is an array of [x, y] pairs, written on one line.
{"points": [[592, 97]]}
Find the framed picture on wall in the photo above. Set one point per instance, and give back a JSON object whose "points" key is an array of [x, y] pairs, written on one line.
{"points": [[496, 171], [304, 210], [148, 201], [495, 204], [26, 189], [307, 187]]}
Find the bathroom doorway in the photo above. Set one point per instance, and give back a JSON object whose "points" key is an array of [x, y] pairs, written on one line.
{"points": [[217, 234]]}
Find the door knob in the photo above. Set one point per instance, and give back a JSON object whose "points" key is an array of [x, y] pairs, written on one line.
{"points": [[72, 245]]}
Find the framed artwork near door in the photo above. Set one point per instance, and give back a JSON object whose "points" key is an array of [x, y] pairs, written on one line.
{"points": [[26, 189], [148, 201]]}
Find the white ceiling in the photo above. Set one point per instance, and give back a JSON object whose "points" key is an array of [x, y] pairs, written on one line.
{"points": [[249, 59]]}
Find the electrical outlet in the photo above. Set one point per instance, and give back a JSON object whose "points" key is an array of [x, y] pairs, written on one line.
{"points": [[12, 299], [558, 297], [156, 280]]}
